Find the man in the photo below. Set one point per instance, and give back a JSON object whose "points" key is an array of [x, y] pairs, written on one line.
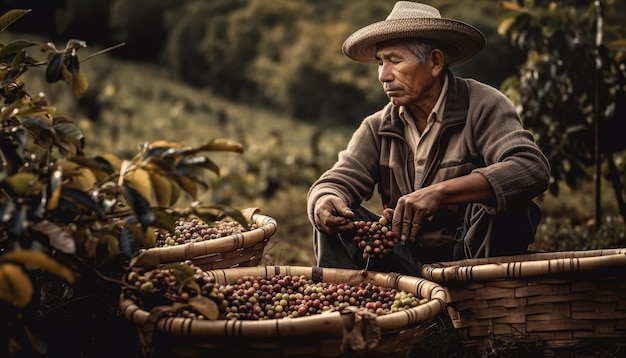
{"points": [[455, 169]]}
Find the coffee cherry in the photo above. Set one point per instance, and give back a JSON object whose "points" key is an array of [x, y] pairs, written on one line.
{"points": [[194, 230], [261, 298], [374, 237]]}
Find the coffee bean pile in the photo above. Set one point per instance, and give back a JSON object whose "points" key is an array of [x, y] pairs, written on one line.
{"points": [[374, 237], [260, 298], [194, 230]]}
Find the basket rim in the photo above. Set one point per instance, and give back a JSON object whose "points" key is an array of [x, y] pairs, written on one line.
{"points": [[327, 323], [267, 226], [524, 266]]}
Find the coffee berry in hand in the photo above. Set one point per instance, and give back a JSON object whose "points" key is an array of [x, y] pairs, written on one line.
{"points": [[374, 237]]}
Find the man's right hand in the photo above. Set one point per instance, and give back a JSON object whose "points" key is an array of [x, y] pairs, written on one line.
{"points": [[332, 215]]}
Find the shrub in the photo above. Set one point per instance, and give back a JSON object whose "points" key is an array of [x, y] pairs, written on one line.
{"points": [[69, 222]]}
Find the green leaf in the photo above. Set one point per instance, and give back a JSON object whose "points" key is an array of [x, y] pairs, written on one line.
{"points": [[165, 190], [205, 306], [103, 164], [79, 84], [82, 198], [203, 162], [219, 145], [20, 182], [128, 245], [54, 71], [11, 16], [164, 220], [140, 206], [73, 65], [71, 133], [208, 214], [180, 270], [15, 46], [13, 74]]}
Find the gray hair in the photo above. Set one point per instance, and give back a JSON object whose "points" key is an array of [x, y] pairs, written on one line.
{"points": [[422, 50]]}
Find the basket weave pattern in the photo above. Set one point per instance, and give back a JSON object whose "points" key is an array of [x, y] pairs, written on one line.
{"points": [[244, 249], [564, 300], [320, 335]]}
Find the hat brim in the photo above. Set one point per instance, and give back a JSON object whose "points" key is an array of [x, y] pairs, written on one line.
{"points": [[460, 40]]}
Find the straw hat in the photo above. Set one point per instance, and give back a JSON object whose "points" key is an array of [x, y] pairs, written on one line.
{"points": [[414, 20]]}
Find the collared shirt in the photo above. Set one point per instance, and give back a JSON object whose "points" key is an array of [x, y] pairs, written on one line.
{"points": [[420, 143]]}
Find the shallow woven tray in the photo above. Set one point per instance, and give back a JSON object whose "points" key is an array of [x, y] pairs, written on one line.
{"points": [[564, 302], [318, 335], [244, 249]]}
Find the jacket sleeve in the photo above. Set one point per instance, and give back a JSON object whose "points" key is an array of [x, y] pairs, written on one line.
{"points": [[515, 166], [354, 176]]}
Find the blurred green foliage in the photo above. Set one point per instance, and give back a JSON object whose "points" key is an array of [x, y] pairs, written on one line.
{"points": [[280, 54], [571, 89]]}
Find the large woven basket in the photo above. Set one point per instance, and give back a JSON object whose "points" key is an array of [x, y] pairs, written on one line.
{"points": [[569, 303], [244, 249], [319, 335]]}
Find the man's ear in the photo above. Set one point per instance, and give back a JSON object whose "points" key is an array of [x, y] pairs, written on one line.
{"points": [[437, 59]]}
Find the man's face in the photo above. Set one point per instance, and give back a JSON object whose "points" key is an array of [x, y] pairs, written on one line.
{"points": [[405, 79]]}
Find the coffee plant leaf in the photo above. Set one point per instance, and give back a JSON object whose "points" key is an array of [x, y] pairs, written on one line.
{"points": [[41, 131], [83, 179], [127, 242], [70, 132], [141, 207], [217, 212], [54, 187], [109, 162], [188, 186], [139, 179], [15, 286], [205, 306], [20, 182], [73, 64], [18, 59], [163, 219], [38, 259], [11, 16], [221, 145], [81, 198], [165, 144], [164, 189], [15, 47], [54, 70], [181, 271], [79, 83]]}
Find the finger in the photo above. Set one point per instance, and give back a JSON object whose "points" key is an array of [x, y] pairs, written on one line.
{"points": [[407, 224], [388, 214], [415, 227], [343, 210], [396, 222]]}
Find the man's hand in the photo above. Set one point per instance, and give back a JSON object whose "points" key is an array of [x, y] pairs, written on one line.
{"points": [[411, 211], [332, 215]]}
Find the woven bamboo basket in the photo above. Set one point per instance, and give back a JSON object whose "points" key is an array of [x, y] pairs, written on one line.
{"points": [[244, 249], [562, 303], [328, 334]]}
